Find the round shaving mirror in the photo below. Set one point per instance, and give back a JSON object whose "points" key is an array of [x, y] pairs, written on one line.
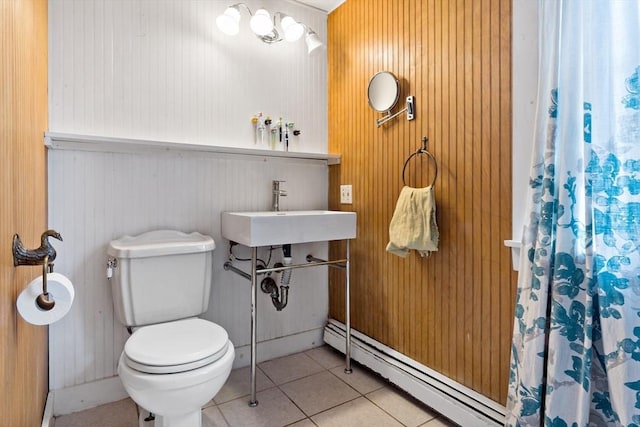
{"points": [[383, 91]]}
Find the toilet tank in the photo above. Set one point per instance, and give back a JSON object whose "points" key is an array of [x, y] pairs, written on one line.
{"points": [[161, 276]]}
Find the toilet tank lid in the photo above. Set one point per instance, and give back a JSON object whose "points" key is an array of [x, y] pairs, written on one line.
{"points": [[159, 243]]}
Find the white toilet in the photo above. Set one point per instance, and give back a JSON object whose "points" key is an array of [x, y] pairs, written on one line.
{"points": [[174, 362]]}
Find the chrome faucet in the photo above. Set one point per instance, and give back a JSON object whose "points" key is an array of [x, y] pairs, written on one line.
{"points": [[277, 192]]}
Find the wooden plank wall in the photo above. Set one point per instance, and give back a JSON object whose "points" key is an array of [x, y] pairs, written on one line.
{"points": [[23, 120], [451, 311]]}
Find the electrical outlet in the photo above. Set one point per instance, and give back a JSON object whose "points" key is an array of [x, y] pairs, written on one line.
{"points": [[346, 194]]}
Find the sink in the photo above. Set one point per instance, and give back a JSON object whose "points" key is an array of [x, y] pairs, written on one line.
{"points": [[277, 228]]}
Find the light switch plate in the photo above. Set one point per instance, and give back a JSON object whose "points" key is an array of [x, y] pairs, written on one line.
{"points": [[346, 194]]}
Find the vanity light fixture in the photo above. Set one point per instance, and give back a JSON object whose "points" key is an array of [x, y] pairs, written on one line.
{"points": [[264, 27]]}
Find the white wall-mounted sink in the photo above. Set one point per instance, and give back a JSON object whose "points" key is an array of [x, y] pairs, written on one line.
{"points": [[255, 229]]}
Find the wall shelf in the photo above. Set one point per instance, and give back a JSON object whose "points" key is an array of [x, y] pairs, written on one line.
{"points": [[67, 141]]}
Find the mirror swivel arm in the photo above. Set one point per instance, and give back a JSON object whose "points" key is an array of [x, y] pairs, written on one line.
{"points": [[409, 109]]}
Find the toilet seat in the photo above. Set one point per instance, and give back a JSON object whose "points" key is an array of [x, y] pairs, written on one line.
{"points": [[174, 347]]}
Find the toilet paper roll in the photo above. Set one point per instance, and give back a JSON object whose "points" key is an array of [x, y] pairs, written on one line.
{"points": [[59, 288]]}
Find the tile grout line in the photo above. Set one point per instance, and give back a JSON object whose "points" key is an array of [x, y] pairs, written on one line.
{"points": [[326, 369]]}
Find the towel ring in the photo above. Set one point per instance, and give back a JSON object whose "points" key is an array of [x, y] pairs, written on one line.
{"points": [[422, 150]]}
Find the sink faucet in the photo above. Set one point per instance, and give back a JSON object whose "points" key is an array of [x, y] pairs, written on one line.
{"points": [[277, 192]]}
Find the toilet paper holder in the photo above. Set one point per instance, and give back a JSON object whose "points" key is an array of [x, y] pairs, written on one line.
{"points": [[44, 255]]}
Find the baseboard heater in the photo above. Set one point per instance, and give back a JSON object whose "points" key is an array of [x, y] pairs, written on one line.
{"points": [[453, 400]]}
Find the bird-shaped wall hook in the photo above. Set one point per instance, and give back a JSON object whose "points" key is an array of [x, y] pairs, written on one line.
{"points": [[24, 256]]}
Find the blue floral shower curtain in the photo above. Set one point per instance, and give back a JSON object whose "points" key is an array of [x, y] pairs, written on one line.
{"points": [[576, 346]]}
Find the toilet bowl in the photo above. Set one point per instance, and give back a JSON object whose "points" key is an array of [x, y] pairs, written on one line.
{"points": [[174, 362], [173, 369]]}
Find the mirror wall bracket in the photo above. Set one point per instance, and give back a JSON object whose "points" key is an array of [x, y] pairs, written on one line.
{"points": [[410, 109]]}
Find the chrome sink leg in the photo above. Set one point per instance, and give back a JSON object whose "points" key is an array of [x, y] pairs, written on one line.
{"points": [[254, 299], [347, 315], [253, 277]]}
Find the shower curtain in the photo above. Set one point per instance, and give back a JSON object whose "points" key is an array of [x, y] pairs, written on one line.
{"points": [[575, 358]]}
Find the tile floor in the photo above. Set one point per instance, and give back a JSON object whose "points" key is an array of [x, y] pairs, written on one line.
{"points": [[303, 389]]}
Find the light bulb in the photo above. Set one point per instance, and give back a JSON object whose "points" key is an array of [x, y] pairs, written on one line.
{"points": [[314, 44], [229, 21], [292, 30], [260, 22]]}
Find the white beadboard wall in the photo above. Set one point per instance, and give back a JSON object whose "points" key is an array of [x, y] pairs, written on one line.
{"points": [[96, 197], [160, 70]]}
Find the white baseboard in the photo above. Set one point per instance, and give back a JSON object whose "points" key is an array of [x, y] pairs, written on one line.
{"points": [[450, 398], [279, 347], [47, 416], [89, 395]]}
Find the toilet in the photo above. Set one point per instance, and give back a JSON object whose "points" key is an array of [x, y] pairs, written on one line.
{"points": [[174, 362]]}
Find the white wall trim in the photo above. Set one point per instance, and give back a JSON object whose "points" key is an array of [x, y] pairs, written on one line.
{"points": [[68, 141], [514, 245], [47, 416], [88, 395], [524, 74], [278, 347]]}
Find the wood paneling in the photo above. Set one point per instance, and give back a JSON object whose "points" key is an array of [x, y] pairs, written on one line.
{"points": [[451, 311], [23, 119]]}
